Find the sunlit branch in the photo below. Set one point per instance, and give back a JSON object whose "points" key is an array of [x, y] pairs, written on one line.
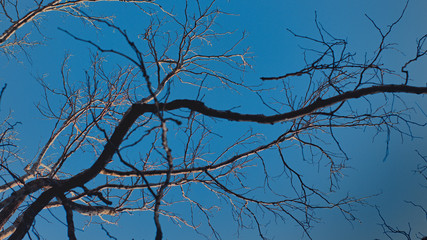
{"points": [[55, 5]]}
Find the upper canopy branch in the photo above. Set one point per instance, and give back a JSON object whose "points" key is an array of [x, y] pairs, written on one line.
{"points": [[55, 5]]}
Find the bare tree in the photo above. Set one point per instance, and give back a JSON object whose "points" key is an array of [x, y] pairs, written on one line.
{"points": [[146, 148]]}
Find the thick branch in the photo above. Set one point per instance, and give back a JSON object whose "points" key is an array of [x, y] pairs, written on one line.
{"points": [[80, 179], [259, 118]]}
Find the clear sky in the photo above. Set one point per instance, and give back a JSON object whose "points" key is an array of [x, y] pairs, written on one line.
{"points": [[275, 51]]}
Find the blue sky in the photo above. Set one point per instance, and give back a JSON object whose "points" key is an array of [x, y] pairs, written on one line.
{"points": [[275, 51]]}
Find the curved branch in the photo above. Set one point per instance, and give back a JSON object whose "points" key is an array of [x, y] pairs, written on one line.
{"points": [[200, 107]]}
